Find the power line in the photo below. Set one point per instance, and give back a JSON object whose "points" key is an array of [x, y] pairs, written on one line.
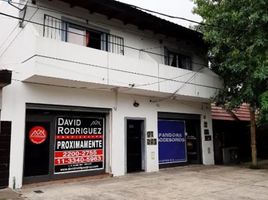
{"points": [[130, 47], [11, 32], [127, 84], [65, 86], [61, 29], [135, 7], [177, 17], [29, 21], [131, 5], [115, 69], [170, 79], [166, 15], [18, 32], [80, 34], [177, 90], [188, 81]]}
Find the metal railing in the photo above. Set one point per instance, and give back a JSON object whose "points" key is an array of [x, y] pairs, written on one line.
{"points": [[58, 29]]}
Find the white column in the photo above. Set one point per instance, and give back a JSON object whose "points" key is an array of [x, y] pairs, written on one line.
{"points": [[13, 109], [207, 145]]}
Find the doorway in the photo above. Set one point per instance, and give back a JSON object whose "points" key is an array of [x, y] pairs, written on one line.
{"points": [[135, 145], [192, 137], [193, 141]]}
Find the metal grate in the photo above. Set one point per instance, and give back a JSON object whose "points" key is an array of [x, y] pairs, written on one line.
{"points": [[55, 28]]}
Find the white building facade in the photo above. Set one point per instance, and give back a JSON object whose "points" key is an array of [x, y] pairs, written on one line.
{"points": [[100, 87]]}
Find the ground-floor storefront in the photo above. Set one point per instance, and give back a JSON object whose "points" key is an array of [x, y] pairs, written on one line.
{"points": [[63, 142], [61, 132], [232, 140]]}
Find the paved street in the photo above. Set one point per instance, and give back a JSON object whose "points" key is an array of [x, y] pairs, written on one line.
{"points": [[184, 183]]}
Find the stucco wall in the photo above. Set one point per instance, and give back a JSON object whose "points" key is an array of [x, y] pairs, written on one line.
{"points": [[55, 82], [18, 94], [133, 37]]}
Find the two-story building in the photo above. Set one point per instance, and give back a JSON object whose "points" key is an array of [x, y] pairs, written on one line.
{"points": [[99, 86]]}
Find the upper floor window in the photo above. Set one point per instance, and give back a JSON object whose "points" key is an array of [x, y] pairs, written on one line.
{"points": [[85, 37], [178, 60], [70, 32]]}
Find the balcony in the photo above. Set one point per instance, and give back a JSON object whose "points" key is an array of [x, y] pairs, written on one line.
{"points": [[80, 34], [56, 62]]}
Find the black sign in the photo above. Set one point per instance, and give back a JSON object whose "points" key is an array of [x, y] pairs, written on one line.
{"points": [[206, 131], [208, 138], [150, 134], [79, 144]]}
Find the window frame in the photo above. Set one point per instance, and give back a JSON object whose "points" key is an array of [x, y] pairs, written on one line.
{"points": [[105, 35], [180, 59], [103, 42], [108, 42]]}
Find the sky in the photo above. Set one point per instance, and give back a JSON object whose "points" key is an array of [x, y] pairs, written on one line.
{"points": [[180, 8]]}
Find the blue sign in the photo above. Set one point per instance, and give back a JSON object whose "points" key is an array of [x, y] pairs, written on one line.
{"points": [[172, 142]]}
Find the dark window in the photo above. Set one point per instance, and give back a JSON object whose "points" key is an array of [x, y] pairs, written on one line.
{"points": [[82, 36], [93, 39], [36, 156], [178, 60]]}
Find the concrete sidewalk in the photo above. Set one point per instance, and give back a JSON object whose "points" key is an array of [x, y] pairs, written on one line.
{"points": [[7, 194], [185, 183]]}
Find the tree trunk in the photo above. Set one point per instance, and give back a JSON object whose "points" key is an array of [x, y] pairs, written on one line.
{"points": [[253, 138]]}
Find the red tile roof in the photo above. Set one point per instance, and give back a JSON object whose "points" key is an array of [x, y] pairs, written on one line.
{"points": [[240, 114]]}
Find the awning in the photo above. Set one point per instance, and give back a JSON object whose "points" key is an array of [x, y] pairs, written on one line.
{"points": [[240, 114]]}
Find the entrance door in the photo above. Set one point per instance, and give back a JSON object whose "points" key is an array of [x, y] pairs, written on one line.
{"points": [[193, 141], [171, 142], [37, 149], [134, 145], [192, 136]]}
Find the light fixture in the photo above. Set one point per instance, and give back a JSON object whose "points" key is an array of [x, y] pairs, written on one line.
{"points": [[136, 104]]}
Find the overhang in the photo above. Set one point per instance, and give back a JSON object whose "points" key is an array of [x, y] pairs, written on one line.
{"points": [[240, 114], [144, 21], [5, 78]]}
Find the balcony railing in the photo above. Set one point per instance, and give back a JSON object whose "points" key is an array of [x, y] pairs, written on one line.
{"points": [[64, 30], [68, 31]]}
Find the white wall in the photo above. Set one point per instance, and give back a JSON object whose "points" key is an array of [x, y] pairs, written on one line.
{"points": [[143, 40], [16, 95], [92, 66], [9, 28], [145, 70], [62, 84], [207, 146]]}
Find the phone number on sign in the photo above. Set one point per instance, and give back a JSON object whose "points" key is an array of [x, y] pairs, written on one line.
{"points": [[81, 153], [77, 160]]}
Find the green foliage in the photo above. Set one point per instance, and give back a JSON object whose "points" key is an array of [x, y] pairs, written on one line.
{"points": [[263, 108], [237, 34]]}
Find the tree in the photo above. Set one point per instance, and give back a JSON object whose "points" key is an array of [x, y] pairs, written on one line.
{"points": [[237, 35]]}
